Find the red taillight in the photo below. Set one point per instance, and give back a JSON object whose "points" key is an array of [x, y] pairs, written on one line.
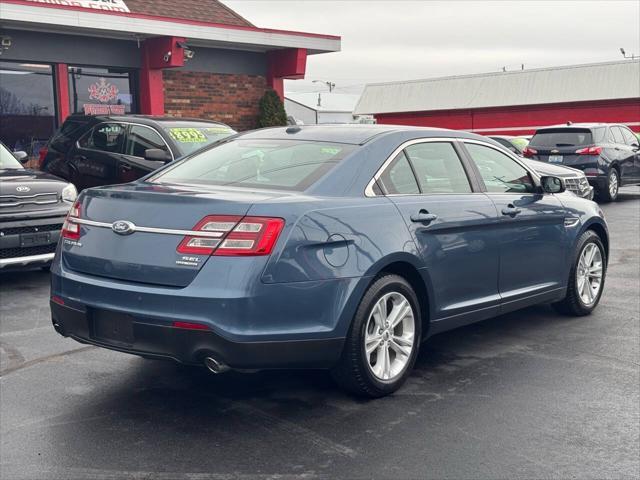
{"points": [[190, 326], [58, 300], [529, 152], [233, 236], [589, 151], [71, 229], [43, 154]]}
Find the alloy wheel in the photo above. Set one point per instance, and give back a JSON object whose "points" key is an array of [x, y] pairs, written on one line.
{"points": [[589, 274], [389, 336], [613, 184]]}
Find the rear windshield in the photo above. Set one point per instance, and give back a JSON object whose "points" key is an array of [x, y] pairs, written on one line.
{"points": [[191, 136], [269, 164], [565, 137]]}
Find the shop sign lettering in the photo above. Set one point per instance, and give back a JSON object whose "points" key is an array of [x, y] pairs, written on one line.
{"points": [[109, 5]]}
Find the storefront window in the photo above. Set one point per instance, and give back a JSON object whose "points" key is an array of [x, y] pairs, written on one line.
{"points": [[101, 91], [27, 106]]}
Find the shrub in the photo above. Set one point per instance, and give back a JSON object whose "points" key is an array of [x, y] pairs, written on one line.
{"points": [[272, 112]]}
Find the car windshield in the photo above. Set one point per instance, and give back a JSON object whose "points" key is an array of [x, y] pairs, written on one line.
{"points": [[7, 160], [192, 136], [269, 164], [565, 137]]}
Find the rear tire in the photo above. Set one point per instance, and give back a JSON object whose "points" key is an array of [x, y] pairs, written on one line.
{"points": [[383, 340], [586, 280], [610, 192]]}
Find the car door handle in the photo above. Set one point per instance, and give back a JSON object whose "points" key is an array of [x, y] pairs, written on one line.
{"points": [[423, 217], [511, 211], [125, 167]]}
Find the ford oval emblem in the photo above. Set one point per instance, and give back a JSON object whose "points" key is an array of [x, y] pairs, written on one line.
{"points": [[23, 189], [122, 227]]}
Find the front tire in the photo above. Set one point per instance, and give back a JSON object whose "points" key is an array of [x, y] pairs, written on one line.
{"points": [[586, 280], [383, 341]]}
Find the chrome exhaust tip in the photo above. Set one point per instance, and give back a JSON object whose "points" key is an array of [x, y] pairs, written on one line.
{"points": [[214, 366]]}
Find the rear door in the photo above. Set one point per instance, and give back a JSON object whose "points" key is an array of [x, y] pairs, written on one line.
{"points": [[531, 232], [452, 226], [95, 160], [132, 164]]}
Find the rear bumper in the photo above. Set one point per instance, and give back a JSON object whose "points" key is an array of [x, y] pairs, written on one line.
{"points": [[154, 340], [599, 182]]}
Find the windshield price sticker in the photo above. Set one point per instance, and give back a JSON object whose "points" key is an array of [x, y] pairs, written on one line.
{"points": [[187, 135]]}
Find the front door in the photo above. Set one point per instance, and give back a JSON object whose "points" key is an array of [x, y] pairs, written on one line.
{"points": [[452, 227], [531, 229], [133, 164]]}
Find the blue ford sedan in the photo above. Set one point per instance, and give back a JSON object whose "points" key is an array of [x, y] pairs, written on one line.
{"points": [[339, 247]]}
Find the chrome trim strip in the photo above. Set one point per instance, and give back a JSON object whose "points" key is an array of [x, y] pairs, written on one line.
{"points": [[165, 231], [46, 257], [32, 202], [29, 196]]}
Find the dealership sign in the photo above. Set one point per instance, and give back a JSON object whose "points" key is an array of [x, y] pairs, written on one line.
{"points": [[104, 92], [109, 5]]}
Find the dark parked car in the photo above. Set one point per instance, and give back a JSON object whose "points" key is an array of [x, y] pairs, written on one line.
{"points": [[340, 247], [575, 180], [608, 154], [90, 151], [33, 206]]}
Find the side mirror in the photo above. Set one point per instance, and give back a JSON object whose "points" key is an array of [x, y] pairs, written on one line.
{"points": [[552, 184], [21, 156], [157, 155], [635, 145]]}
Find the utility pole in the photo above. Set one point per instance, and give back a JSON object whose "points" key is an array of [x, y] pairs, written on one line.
{"points": [[331, 85]]}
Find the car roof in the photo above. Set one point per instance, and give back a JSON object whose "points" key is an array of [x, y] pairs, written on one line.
{"points": [[143, 119], [578, 125], [355, 134]]}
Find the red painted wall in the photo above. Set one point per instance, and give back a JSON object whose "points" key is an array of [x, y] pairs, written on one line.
{"points": [[521, 120]]}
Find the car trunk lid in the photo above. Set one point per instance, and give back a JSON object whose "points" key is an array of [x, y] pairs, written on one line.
{"points": [[161, 216]]}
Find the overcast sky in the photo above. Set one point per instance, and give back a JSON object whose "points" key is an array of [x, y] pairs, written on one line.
{"points": [[389, 40]]}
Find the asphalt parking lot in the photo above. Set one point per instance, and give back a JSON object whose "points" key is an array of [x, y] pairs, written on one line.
{"points": [[527, 395]]}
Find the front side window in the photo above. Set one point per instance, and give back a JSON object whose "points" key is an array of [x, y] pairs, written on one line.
{"points": [[270, 164], [438, 168], [398, 178], [140, 139], [501, 173], [106, 137], [7, 160]]}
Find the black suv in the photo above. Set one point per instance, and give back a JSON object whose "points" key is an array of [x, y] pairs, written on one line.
{"points": [[608, 154], [90, 151]]}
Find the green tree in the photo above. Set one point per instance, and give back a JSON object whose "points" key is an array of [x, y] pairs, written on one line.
{"points": [[272, 112]]}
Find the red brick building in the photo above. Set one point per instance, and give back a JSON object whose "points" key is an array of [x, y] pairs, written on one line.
{"points": [[189, 58]]}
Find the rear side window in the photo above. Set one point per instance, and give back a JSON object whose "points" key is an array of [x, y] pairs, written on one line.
{"points": [[565, 137], [617, 135], [398, 178], [438, 168], [501, 173], [68, 133], [140, 139], [106, 137], [269, 164]]}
